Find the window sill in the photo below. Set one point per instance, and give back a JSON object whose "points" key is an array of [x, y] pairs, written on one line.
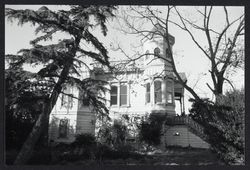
{"points": [[116, 106], [170, 104], [125, 106], [160, 103]]}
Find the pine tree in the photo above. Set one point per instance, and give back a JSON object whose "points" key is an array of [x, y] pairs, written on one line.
{"points": [[61, 61]]}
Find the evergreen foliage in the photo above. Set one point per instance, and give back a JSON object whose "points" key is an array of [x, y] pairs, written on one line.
{"points": [[61, 62], [150, 130]]}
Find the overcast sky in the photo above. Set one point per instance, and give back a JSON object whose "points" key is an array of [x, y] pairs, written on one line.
{"points": [[189, 58]]}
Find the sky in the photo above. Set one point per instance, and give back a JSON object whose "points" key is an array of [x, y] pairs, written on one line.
{"points": [[188, 57]]}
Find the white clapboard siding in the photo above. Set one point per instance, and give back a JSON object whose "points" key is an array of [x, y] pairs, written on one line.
{"points": [[85, 122], [186, 137]]}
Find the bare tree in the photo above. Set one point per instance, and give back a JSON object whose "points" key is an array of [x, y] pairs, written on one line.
{"points": [[223, 48]]}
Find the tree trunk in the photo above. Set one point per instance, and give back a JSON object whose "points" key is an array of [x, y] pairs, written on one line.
{"points": [[27, 148], [218, 89]]}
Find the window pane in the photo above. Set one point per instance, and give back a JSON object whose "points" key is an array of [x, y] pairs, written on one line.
{"points": [[148, 93], [158, 97], [123, 89], [148, 97], [170, 98], [157, 86], [113, 90], [123, 99], [148, 87], [114, 100], [70, 102], [123, 94]]}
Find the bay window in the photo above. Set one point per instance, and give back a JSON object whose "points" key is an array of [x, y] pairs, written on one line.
{"points": [[157, 91]]}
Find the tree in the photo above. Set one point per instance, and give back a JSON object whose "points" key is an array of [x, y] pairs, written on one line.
{"points": [[61, 62], [222, 48]]}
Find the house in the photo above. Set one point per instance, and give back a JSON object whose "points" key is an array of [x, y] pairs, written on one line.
{"points": [[146, 86]]}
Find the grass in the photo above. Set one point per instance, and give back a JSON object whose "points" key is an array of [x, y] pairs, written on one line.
{"points": [[172, 156]]}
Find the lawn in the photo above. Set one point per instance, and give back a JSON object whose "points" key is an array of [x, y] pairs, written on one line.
{"points": [[172, 156]]}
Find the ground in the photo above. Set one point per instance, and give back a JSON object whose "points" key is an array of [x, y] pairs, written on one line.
{"points": [[174, 156]]}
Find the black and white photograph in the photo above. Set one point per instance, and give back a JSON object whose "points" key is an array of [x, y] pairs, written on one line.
{"points": [[124, 85]]}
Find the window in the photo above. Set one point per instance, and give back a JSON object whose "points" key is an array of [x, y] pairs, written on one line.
{"points": [[167, 53], [119, 95], [123, 94], [169, 97], [63, 128], [70, 99], [114, 90], [158, 93], [67, 100], [147, 54], [157, 51], [148, 93], [84, 99]]}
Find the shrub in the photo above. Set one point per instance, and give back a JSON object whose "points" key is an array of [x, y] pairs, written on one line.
{"points": [[84, 140], [113, 135], [150, 130], [224, 124]]}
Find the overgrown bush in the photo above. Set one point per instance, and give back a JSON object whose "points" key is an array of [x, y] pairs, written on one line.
{"points": [[150, 130], [113, 134], [84, 140], [223, 122]]}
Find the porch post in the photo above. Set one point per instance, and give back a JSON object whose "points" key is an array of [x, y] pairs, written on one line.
{"points": [[181, 105]]}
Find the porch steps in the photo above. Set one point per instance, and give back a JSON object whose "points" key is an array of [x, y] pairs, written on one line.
{"points": [[192, 125]]}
